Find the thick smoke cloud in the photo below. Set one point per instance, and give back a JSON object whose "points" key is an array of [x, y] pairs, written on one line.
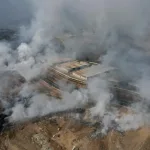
{"points": [[13, 13], [118, 28]]}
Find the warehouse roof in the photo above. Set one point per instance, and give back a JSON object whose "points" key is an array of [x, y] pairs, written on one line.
{"points": [[97, 69]]}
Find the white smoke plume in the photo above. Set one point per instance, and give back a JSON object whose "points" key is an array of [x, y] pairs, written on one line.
{"points": [[40, 104], [100, 93], [119, 28]]}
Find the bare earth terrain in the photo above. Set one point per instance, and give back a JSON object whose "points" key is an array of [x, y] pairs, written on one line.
{"points": [[61, 133]]}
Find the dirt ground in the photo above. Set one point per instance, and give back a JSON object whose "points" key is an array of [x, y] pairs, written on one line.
{"points": [[61, 133]]}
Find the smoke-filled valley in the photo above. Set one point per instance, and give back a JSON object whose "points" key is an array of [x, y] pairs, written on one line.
{"points": [[110, 32]]}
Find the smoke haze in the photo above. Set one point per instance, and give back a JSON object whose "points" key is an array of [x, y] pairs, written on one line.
{"points": [[14, 13], [118, 28]]}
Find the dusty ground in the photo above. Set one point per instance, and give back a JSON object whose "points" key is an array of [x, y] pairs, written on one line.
{"points": [[61, 133]]}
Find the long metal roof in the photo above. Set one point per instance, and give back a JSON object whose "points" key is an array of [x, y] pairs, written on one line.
{"points": [[97, 69], [82, 69]]}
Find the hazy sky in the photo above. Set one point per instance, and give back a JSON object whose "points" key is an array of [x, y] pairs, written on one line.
{"points": [[14, 12]]}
